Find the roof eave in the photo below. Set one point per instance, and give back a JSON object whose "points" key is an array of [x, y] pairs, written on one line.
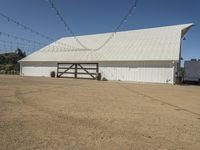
{"points": [[186, 29]]}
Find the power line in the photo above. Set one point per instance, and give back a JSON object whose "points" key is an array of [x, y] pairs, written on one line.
{"points": [[122, 22]]}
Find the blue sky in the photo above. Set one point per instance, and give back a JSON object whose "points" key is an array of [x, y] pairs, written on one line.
{"points": [[98, 16]]}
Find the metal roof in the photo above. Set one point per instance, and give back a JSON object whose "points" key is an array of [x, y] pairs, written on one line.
{"points": [[153, 44]]}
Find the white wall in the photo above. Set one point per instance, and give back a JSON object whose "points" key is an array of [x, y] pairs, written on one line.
{"points": [[38, 68], [155, 72], [192, 70]]}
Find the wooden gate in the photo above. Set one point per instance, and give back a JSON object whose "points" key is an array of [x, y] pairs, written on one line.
{"points": [[77, 70]]}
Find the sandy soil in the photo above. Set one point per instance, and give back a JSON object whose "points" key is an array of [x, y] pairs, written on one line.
{"points": [[54, 114]]}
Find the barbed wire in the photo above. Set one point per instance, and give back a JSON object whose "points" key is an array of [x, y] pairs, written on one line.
{"points": [[27, 28], [71, 48], [32, 42], [20, 38], [65, 24], [124, 19], [17, 43], [27, 44], [12, 47]]}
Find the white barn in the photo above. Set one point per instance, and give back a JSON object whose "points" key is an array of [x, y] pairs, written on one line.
{"points": [[147, 55]]}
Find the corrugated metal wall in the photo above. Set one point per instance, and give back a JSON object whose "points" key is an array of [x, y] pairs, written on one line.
{"points": [[155, 72], [192, 70], [38, 69]]}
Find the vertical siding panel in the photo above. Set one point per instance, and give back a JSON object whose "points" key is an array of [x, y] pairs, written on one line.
{"points": [[155, 72]]}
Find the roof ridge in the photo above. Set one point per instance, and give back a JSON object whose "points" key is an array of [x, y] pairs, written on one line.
{"points": [[150, 28]]}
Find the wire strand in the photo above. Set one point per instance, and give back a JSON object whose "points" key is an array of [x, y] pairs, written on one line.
{"points": [[27, 28], [124, 19]]}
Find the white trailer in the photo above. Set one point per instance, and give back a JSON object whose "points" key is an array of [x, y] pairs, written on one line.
{"points": [[192, 71]]}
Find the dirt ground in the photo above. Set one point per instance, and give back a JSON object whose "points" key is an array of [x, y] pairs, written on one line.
{"points": [[61, 114]]}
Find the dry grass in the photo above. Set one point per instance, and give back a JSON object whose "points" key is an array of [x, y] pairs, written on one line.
{"points": [[41, 113]]}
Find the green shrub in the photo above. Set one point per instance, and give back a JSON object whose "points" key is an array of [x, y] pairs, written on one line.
{"points": [[9, 61], [8, 67], [2, 72]]}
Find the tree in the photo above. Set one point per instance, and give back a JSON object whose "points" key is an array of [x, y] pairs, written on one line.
{"points": [[9, 61], [182, 72], [20, 53], [2, 59]]}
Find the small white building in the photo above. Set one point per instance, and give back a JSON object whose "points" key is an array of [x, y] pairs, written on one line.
{"points": [[147, 55]]}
